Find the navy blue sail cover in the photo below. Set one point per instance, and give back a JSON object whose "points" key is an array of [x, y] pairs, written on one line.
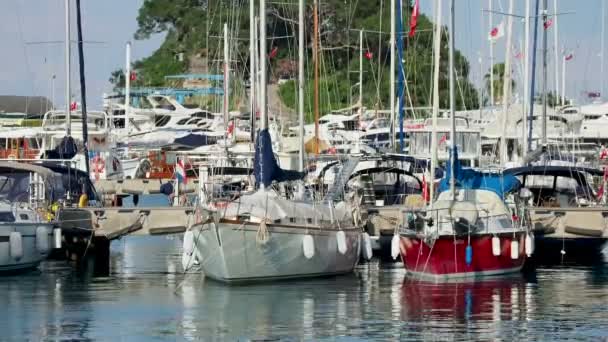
{"points": [[265, 168], [194, 140]]}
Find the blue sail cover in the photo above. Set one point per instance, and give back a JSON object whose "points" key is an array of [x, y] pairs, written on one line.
{"points": [[477, 180], [194, 140], [265, 166]]}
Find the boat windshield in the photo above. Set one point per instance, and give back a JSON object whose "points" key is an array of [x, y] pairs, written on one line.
{"points": [[16, 186]]}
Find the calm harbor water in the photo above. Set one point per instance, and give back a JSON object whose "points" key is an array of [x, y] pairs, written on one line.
{"points": [[147, 298]]}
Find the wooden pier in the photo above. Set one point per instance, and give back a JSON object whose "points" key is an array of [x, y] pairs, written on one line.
{"points": [[90, 230]]}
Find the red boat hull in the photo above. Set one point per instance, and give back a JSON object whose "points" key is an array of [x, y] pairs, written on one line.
{"points": [[446, 259]]}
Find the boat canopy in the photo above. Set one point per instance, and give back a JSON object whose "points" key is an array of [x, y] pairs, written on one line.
{"points": [[471, 179], [266, 168]]}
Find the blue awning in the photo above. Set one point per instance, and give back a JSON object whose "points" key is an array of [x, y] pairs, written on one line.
{"points": [[471, 179]]}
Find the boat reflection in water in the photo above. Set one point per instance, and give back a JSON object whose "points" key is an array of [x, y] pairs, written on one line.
{"points": [[481, 308]]}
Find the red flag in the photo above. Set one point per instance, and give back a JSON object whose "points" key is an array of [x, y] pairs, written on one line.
{"points": [[369, 55], [604, 153], [230, 128], [414, 19], [133, 76], [73, 106], [519, 55], [273, 52], [569, 57], [443, 139], [600, 191], [548, 23], [425, 189]]}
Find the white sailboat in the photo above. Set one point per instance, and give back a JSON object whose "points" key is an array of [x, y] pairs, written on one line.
{"points": [[264, 235], [26, 238]]}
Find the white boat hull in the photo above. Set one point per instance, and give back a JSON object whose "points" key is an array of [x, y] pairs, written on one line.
{"points": [[229, 252], [31, 254]]}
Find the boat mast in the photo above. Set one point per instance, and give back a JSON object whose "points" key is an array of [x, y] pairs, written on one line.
{"points": [[256, 57], [533, 80], [556, 55], [602, 48], [301, 80], [263, 98], [68, 123], [544, 118], [563, 93], [392, 80], [506, 91], [490, 16], [524, 121], [452, 103], [437, 53], [128, 88], [83, 89], [226, 77], [360, 73], [252, 68], [315, 60], [401, 89]]}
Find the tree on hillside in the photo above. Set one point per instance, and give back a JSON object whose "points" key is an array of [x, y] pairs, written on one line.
{"points": [[499, 76], [193, 27]]}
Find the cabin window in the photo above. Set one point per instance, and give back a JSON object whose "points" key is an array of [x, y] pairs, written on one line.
{"points": [[24, 217], [6, 216]]}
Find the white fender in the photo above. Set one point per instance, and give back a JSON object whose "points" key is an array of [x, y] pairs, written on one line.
{"points": [[188, 258], [529, 244], [308, 246], [395, 246], [496, 246], [514, 249], [42, 240], [57, 238], [367, 246], [341, 240], [16, 245]]}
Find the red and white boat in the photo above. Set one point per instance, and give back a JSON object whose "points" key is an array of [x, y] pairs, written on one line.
{"points": [[472, 228], [475, 235]]}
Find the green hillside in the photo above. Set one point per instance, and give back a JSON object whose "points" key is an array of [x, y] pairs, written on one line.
{"points": [[193, 30]]}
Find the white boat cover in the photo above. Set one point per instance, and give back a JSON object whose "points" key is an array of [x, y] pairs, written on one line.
{"points": [[266, 203]]}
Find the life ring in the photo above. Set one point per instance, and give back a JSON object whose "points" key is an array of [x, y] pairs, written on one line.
{"points": [[12, 156], [99, 166]]}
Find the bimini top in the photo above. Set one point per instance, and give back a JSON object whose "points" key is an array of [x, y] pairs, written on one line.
{"points": [[471, 179], [9, 166]]}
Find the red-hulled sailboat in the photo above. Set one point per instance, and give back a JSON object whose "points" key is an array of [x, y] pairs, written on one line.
{"points": [[472, 228]]}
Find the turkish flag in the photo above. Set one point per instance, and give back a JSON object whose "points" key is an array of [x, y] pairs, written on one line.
{"points": [[414, 19], [133, 76], [425, 189], [369, 55], [548, 23], [73, 106], [273, 52], [569, 57]]}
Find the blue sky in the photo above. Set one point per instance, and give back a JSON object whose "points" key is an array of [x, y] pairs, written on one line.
{"points": [[27, 69]]}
